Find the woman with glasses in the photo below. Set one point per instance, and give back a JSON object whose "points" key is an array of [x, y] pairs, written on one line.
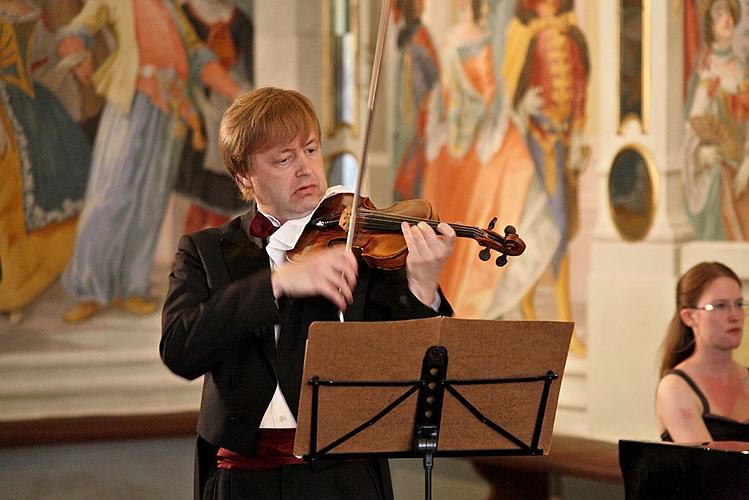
{"points": [[703, 394]]}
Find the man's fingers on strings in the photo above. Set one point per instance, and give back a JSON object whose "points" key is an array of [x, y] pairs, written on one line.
{"points": [[446, 230], [409, 236]]}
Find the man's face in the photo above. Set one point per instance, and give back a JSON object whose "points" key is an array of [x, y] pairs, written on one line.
{"points": [[288, 180]]}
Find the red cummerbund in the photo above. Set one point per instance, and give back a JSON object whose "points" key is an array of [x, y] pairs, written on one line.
{"points": [[274, 448]]}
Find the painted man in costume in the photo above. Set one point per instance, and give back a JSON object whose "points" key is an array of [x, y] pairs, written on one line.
{"points": [[549, 88], [138, 145]]}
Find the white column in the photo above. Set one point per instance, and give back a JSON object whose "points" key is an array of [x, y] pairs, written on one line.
{"points": [[631, 285]]}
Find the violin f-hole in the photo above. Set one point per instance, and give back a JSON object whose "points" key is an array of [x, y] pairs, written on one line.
{"points": [[345, 218]]}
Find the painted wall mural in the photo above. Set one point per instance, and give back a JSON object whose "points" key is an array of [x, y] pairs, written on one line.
{"points": [[44, 163], [716, 163], [106, 108], [490, 122]]}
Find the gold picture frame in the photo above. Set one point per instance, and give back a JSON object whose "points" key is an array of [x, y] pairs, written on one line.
{"points": [[633, 191], [342, 167], [340, 66], [634, 24]]}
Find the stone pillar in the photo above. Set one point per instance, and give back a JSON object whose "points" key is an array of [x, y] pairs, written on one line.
{"points": [[631, 284]]}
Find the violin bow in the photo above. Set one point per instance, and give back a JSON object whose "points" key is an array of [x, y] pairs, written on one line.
{"points": [[374, 79]]}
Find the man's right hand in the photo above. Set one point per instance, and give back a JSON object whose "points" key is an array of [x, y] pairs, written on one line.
{"points": [[330, 273]]}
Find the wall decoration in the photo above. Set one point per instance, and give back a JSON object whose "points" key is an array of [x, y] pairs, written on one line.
{"points": [[631, 192], [716, 163], [340, 66], [634, 62], [492, 126]]}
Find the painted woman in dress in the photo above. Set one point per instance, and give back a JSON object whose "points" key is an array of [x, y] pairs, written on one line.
{"points": [[44, 163], [716, 163], [478, 164], [226, 29], [418, 71]]}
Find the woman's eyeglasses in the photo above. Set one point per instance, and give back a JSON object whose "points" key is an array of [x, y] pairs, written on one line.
{"points": [[723, 306]]}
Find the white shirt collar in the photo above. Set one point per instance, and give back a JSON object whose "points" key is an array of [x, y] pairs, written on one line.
{"points": [[288, 234]]}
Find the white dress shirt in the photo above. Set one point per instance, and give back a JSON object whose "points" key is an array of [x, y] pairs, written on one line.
{"points": [[278, 415]]}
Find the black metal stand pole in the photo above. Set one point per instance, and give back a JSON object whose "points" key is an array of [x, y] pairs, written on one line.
{"points": [[429, 410], [426, 444]]}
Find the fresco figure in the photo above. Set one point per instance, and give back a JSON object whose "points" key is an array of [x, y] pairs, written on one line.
{"points": [[478, 164], [227, 31], [548, 86], [44, 163], [81, 100], [417, 71], [138, 145], [716, 163], [464, 132]]}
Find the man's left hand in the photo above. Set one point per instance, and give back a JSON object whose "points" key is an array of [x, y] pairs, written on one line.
{"points": [[427, 254]]}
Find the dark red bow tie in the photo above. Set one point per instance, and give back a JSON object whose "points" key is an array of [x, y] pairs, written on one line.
{"points": [[261, 226]]}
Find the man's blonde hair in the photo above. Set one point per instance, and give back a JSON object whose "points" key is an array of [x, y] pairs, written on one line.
{"points": [[260, 120]]}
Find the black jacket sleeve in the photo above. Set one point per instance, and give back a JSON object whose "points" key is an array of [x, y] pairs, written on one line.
{"points": [[205, 316]]}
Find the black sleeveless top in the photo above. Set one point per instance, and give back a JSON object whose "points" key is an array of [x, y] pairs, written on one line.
{"points": [[720, 428]]}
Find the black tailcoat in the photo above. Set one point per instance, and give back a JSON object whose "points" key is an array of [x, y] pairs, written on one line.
{"points": [[218, 322]]}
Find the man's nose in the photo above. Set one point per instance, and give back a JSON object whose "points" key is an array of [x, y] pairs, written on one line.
{"points": [[305, 165]]}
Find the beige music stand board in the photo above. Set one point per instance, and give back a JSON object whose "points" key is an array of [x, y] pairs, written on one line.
{"points": [[430, 387]]}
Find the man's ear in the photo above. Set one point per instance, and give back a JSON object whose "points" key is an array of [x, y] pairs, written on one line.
{"points": [[246, 182]]}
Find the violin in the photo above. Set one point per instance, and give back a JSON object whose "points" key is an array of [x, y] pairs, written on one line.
{"points": [[378, 239]]}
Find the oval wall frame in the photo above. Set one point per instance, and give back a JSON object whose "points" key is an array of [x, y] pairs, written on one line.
{"points": [[632, 188]]}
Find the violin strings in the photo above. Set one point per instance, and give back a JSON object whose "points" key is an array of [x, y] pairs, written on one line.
{"points": [[372, 215], [385, 222], [388, 221]]}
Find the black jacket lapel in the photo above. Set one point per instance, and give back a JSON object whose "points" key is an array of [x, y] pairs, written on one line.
{"points": [[244, 256]]}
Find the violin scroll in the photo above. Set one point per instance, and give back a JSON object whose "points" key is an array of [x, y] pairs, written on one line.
{"points": [[510, 244]]}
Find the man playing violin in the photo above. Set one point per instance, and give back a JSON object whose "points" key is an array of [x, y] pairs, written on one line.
{"points": [[237, 311]]}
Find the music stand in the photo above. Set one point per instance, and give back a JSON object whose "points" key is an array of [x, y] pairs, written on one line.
{"points": [[399, 389]]}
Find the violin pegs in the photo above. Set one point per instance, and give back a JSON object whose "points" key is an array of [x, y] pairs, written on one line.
{"points": [[510, 230], [484, 254], [491, 224], [501, 260]]}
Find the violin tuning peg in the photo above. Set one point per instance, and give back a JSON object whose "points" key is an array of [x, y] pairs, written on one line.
{"points": [[491, 224], [484, 254], [501, 260], [510, 230]]}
